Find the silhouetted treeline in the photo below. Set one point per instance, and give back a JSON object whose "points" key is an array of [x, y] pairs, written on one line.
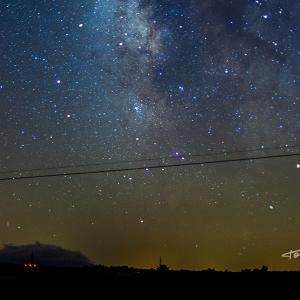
{"points": [[102, 273]]}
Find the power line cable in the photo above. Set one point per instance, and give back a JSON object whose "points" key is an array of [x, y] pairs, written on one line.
{"points": [[150, 167], [147, 160]]}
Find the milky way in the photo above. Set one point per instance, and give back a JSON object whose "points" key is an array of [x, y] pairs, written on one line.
{"points": [[99, 81]]}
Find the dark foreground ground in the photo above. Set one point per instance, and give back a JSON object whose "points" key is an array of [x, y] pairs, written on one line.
{"points": [[123, 282], [103, 274]]}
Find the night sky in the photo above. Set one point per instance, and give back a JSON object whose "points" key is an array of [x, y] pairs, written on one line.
{"points": [[110, 81]]}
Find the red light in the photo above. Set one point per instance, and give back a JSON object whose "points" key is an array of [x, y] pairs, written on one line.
{"points": [[30, 266]]}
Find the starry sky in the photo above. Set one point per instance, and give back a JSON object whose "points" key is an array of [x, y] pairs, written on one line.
{"points": [[92, 84]]}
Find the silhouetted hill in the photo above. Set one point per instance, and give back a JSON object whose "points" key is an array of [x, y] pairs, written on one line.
{"points": [[42, 254]]}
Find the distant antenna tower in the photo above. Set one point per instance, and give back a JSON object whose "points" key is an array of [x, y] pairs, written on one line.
{"points": [[31, 263], [32, 258], [162, 267]]}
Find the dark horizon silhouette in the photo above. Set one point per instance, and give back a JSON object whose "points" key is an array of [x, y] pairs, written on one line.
{"points": [[46, 257], [42, 254]]}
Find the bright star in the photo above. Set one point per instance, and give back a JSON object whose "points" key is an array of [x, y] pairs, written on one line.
{"points": [[181, 88]]}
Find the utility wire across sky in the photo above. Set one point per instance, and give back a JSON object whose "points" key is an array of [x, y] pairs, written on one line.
{"points": [[160, 166], [146, 161]]}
